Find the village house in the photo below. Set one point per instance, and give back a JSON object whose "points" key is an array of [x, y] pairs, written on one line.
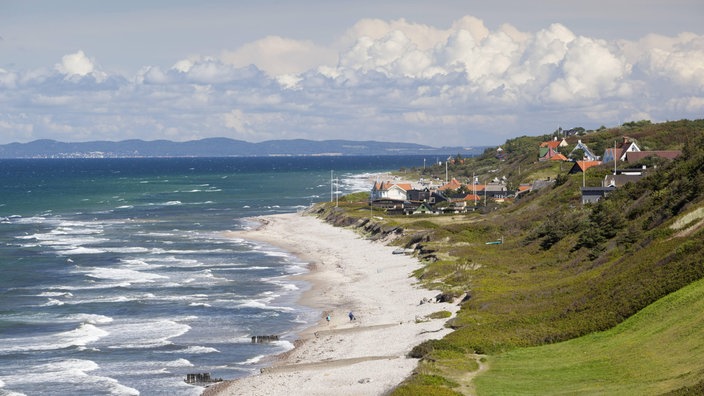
{"points": [[623, 176], [549, 150], [588, 154], [581, 166], [390, 191], [633, 157], [594, 194], [627, 145]]}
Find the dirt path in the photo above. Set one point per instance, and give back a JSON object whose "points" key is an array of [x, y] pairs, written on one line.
{"points": [[466, 381]]}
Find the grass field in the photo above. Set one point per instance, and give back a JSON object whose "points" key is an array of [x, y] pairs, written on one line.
{"points": [[656, 351]]}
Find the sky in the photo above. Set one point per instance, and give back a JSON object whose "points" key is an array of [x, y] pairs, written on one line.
{"points": [[441, 73]]}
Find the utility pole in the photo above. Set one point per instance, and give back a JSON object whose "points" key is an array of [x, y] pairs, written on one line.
{"points": [[446, 179], [615, 158], [474, 190]]}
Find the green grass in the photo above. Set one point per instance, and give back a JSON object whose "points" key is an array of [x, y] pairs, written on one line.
{"points": [[660, 349]]}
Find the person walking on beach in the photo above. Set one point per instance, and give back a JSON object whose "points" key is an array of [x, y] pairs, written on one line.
{"points": [[351, 315], [328, 318]]}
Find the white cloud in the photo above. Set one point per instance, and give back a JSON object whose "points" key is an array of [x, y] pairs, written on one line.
{"points": [[7, 79], [382, 80], [77, 63], [277, 55], [590, 71]]}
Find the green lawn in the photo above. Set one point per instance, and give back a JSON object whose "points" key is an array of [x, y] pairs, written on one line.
{"points": [[658, 350]]}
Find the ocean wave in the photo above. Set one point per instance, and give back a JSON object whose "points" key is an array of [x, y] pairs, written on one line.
{"points": [[142, 334], [55, 294], [253, 360], [67, 375], [52, 302], [81, 250], [94, 319], [205, 305], [85, 334], [197, 350], [121, 274], [262, 304], [177, 363]]}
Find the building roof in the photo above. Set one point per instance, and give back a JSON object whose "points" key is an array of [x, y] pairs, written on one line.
{"points": [[451, 185], [620, 180], [636, 156], [380, 186], [472, 197], [553, 144], [581, 166], [558, 157]]}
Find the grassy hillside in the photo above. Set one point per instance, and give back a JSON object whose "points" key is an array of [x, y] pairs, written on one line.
{"points": [[651, 353], [566, 271]]}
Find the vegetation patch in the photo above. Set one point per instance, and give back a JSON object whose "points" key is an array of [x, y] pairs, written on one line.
{"points": [[652, 352], [574, 293]]}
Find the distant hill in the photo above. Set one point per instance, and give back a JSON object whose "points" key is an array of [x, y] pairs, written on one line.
{"points": [[221, 147]]}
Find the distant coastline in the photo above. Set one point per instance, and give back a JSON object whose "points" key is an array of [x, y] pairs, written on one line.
{"points": [[224, 147]]}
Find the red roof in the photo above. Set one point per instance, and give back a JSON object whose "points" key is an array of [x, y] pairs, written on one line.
{"points": [[553, 144], [558, 157], [472, 197], [451, 185], [584, 165]]}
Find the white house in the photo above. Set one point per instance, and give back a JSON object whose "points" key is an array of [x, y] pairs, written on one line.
{"points": [[620, 151], [389, 190]]}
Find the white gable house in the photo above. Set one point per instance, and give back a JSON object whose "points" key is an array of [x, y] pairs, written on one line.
{"points": [[391, 191]]}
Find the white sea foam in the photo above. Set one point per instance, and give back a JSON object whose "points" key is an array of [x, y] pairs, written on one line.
{"points": [[262, 304], [196, 350], [122, 274], [55, 294], [177, 363], [90, 318], [284, 344], [93, 286], [117, 299], [143, 334], [81, 251], [69, 374], [52, 302], [85, 334], [253, 360]]}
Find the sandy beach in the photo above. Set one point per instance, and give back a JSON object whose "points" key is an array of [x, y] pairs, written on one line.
{"points": [[366, 356]]}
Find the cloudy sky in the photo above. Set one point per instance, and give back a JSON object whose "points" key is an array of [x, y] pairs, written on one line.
{"points": [[446, 72]]}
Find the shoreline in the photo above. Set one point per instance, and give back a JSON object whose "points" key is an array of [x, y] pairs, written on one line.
{"points": [[366, 356]]}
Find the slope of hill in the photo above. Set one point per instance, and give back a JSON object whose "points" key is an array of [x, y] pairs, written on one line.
{"points": [[565, 270], [652, 352]]}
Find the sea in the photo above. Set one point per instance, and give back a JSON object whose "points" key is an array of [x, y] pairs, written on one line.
{"points": [[118, 276]]}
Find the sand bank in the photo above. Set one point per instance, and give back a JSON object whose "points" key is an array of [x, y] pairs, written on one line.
{"points": [[366, 356]]}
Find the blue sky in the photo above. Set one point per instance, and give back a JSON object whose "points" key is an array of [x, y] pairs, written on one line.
{"points": [[439, 73]]}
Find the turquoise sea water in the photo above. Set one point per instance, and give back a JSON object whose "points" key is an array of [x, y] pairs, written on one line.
{"points": [[116, 278]]}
